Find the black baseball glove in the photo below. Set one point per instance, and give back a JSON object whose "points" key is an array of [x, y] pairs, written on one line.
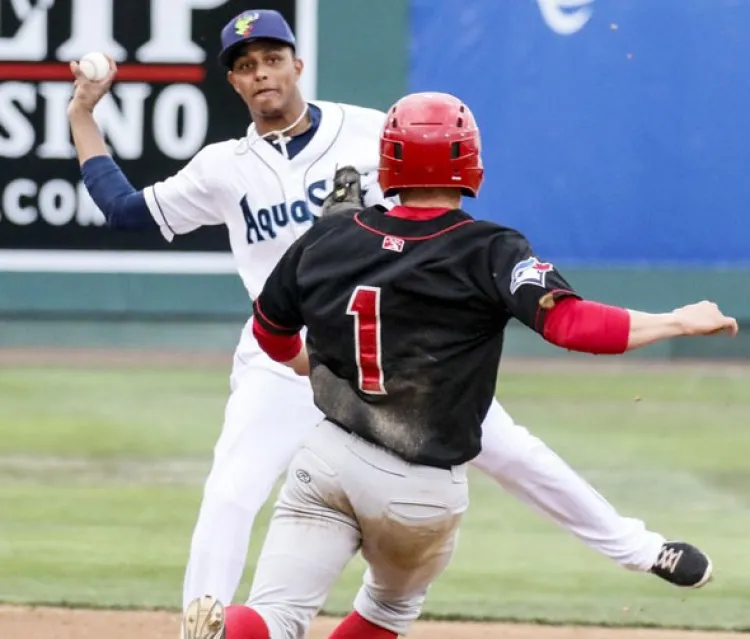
{"points": [[346, 194]]}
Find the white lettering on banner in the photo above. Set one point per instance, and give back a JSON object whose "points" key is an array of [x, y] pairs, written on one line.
{"points": [[30, 41], [180, 111], [58, 199], [171, 38], [16, 99], [56, 143], [92, 29], [122, 125], [56, 202], [147, 112], [14, 210], [566, 17], [179, 99], [88, 213], [119, 124], [23, 8]]}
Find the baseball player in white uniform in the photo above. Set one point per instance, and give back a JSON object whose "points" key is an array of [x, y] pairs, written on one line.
{"points": [[267, 188]]}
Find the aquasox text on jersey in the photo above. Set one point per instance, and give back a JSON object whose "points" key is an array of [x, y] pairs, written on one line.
{"points": [[263, 223]]}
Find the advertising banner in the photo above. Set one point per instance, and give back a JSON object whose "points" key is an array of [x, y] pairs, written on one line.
{"points": [[169, 99]]}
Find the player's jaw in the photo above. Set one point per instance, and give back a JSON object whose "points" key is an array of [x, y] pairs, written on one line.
{"points": [[267, 101]]}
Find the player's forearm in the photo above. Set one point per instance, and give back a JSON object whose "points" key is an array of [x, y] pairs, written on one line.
{"points": [[87, 138], [590, 327], [648, 328]]}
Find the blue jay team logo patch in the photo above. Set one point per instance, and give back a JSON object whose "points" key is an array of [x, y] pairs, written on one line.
{"points": [[529, 271]]}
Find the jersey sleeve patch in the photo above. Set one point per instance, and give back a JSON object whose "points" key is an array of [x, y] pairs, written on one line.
{"points": [[529, 271]]}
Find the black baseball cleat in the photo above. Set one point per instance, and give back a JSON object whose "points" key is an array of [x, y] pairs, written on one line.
{"points": [[346, 194], [683, 565]]}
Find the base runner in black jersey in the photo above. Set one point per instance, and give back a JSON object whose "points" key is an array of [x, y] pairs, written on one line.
{"points": [[405, 312]]}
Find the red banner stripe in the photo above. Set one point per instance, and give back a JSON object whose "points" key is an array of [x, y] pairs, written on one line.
{"points": [[56, 71]]}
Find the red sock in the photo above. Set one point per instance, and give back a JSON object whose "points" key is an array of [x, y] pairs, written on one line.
{"points": [[242, 622], [357, 627]]}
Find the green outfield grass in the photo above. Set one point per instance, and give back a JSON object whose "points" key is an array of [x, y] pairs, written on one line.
{"points": [[101, 473]]}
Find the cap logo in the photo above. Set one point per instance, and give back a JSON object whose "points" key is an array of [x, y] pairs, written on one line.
{"points": [[244, 23]]}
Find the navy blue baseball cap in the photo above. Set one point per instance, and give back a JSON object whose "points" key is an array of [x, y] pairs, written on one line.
{"points": [[254, 25]]}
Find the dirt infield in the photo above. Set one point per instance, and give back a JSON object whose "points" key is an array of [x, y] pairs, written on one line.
{"points": [[61, 623]]}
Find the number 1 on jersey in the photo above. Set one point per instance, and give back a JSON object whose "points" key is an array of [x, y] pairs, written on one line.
{"points": [[364, 304]]}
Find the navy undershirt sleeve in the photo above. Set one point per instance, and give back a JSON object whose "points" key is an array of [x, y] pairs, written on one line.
{"points": [[123, 206]]}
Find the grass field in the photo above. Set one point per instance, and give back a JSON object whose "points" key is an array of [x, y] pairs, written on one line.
{"points": [[101, 472]]}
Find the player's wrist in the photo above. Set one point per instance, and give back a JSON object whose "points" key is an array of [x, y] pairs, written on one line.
{"points": [[673, 324], [300, 363], [77, 110]]}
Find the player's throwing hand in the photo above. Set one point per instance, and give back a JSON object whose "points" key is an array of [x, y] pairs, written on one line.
{"points": [[704, 318], [87, 93]]}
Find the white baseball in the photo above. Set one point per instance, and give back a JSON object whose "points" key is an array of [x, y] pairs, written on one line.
{"points": [[94, 66]]}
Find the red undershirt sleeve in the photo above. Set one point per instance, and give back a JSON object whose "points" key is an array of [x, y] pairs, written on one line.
{"points": [[279, 343], [280, 348], [588, 327]]}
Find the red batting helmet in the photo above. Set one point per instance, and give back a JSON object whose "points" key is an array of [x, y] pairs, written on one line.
{"points": [[430, 140]]}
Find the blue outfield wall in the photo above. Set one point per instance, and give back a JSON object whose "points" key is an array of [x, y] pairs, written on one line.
{"points": [[614, 133]]}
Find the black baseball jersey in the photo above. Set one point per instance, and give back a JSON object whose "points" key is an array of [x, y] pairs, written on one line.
{"points": [[405, 322]]}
